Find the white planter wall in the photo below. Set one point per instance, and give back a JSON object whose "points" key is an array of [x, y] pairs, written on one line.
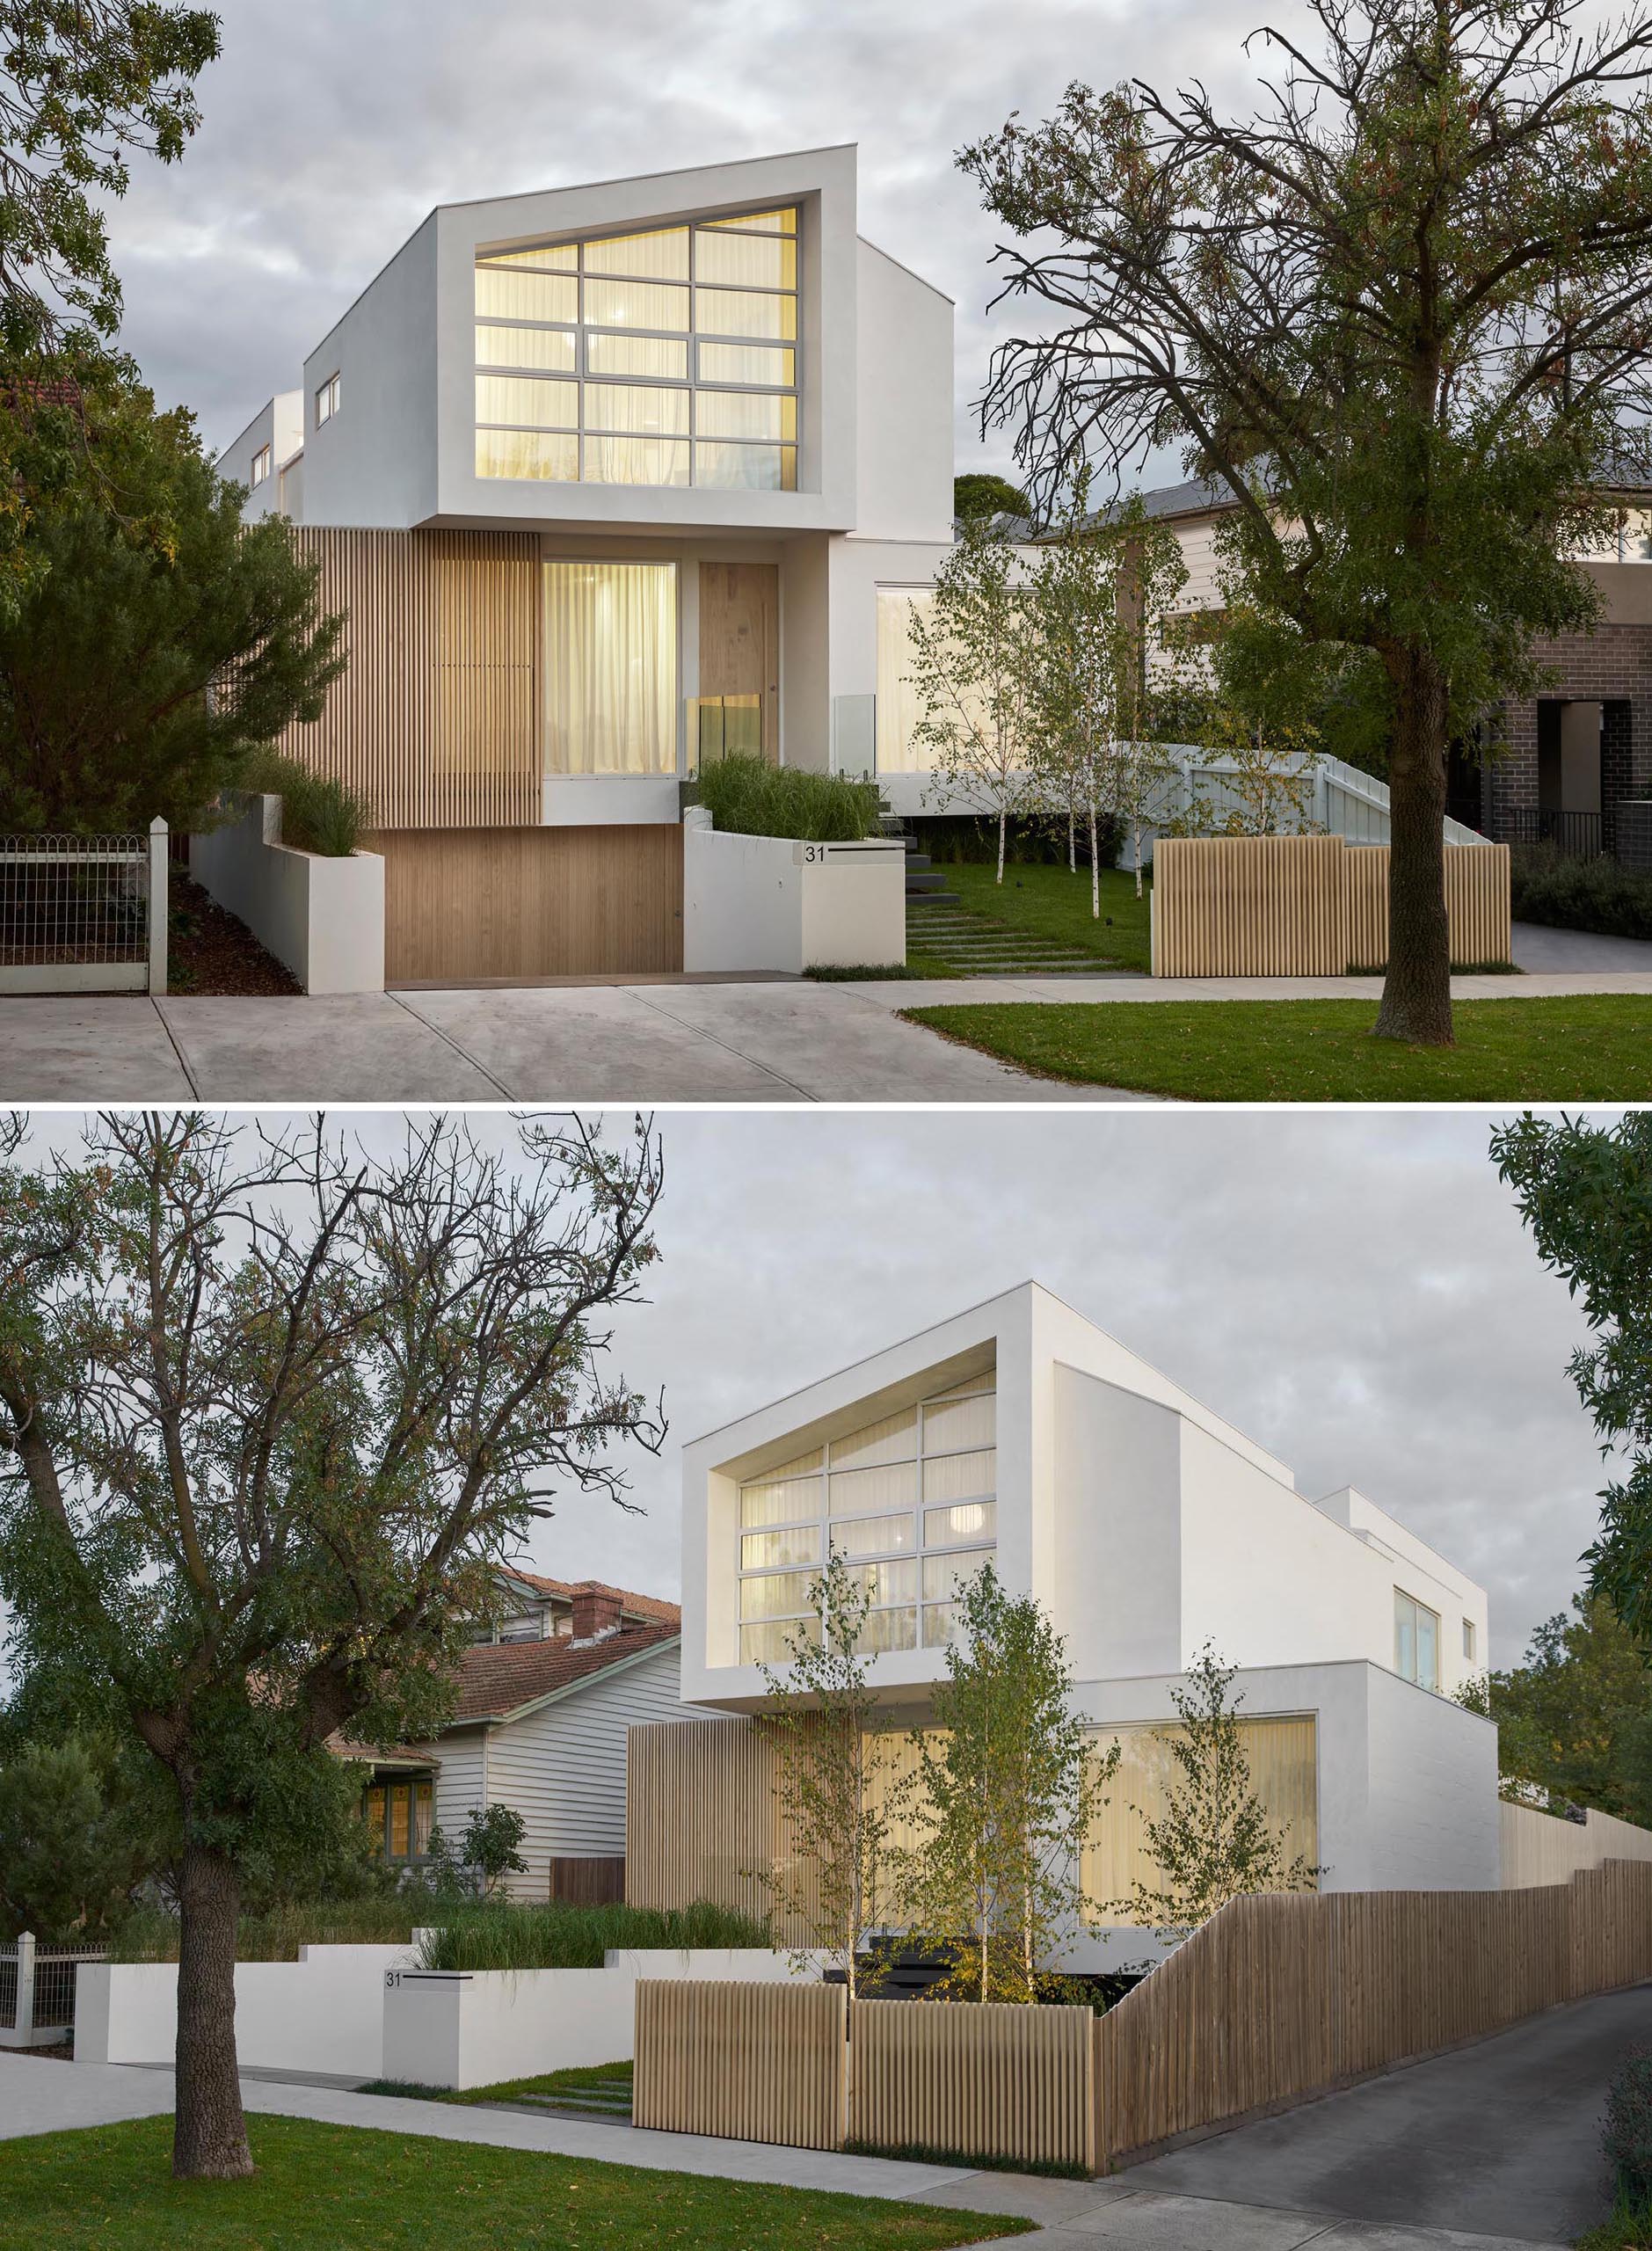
{"points": [[467, 2028], [771, 903], [323, 2012], [325, 918]]}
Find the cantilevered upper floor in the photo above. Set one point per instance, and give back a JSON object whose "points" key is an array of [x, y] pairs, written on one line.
{"points": [[1143, 1523], [714, 349]]}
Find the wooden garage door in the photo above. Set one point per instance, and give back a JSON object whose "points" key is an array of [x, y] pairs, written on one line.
{"points": [[530, 902]]}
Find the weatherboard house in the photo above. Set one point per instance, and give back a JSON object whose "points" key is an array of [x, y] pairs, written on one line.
{"points": [[1148, 1527]]}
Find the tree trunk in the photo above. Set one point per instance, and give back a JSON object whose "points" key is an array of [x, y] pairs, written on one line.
{"points": [[1073, 844], [1096, 870], [1416, 992], [209, 2137], [1003, 819]]}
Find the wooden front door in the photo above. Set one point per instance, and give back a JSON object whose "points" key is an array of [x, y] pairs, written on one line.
{"points": [[740, 640]]}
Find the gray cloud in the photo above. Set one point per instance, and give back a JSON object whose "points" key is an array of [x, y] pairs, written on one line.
{"points": [[332, 126], [1354, 1290]]}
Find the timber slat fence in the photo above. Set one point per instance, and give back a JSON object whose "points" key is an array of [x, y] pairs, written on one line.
{"points": [[1278, 1998], [759, 2063], [1307, 905], [995, 2080], [1282, 1997]]}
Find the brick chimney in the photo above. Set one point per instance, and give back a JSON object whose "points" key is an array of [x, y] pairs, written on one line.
{"points": [[596, 1613]]}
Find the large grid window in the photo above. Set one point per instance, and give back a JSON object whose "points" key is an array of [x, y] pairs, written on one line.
{"points": [[668, 356], [910, 1502]]}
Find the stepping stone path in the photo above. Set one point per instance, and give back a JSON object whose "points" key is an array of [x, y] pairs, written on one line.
{"points": [[602, 2098], [978, 947]]}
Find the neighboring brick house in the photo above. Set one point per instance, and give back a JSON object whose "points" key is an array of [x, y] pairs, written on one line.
{"points": [[1569, 756], [544, 1705]]}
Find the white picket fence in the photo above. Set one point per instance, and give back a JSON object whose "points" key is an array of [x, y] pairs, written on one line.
{"points": [[1336, 799]]}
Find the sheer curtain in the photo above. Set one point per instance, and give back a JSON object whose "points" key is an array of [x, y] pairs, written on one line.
{"points": [[610, 667]]}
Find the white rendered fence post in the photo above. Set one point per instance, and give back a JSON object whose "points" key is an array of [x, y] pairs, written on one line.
{"points": [[157, 905], [25, 2014]]}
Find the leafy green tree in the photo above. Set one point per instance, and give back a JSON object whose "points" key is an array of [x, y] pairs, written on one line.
{"points": [[489, 1845], [1213, 1837], [273, 1410], [76, 1838], [1574, 1721], [85, 84], [979, 493], [969, 673], [1398, 314], [1586, 1193], [1011, 1785], [154, 593], [838, 1791]]}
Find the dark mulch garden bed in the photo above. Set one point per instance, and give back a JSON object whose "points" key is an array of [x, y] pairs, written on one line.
{"points": [[209, 952]]}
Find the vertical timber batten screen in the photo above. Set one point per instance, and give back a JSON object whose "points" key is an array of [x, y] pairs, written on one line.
{"points": [[436, 721], [701, 1821], [757, 2063], [1307, 905], [1281, 1998], [990, 2079]]}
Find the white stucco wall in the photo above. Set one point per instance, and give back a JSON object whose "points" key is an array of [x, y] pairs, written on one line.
{"points": [[322, 917], [903, 480], [771, 903], [374, 463], [322, 2013], [1432, 1817], [279, 424]]}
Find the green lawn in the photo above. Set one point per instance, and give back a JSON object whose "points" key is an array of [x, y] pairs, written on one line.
{"points": [[1050, 903], [319, 2187], [576, 2079], [1591, 1047]]}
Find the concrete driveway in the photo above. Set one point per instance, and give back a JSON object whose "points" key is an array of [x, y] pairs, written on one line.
{"points": [[1502, 2138], [650, 1043]]}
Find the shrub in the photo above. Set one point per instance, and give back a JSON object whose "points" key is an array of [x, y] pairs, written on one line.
{"points": [[150, 1934], [318, 815], [747, 797], [1626, 2134], [1579, 894], [963, 839], [489, 1937]]}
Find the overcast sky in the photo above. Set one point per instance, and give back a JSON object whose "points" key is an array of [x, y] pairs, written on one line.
{"points": [[331, 126], [1353, 1289]]}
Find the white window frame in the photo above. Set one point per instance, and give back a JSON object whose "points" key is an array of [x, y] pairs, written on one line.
{"points": [[263, 463], [1419, 1610], [328, 399]]}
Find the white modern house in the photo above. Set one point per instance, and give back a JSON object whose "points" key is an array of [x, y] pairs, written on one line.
{"points": [[1147, 1526], [607, 475]]}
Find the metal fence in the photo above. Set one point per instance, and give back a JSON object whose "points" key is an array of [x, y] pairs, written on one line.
{"points": [[1574, 835], [84, 914], [37, 1991]]}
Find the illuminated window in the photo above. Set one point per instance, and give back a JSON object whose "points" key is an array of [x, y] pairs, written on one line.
{"points": [[610, 654], [681, 344], [867, 1496]]}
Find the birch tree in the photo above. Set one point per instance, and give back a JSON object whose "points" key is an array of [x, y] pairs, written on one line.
{"points": [[1010, 1784], [968, 668], [273, 1410], [1213, 1837], [839, 1793]]}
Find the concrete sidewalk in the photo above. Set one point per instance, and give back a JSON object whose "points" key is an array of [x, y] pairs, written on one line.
{"points": [[1122, 2214], [656, 1041]]}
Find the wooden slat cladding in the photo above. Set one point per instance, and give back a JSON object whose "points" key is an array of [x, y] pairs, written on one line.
{"points": [[701, 1820], [590, 1882], [989, 2081], [437, 719], [756, 2063], [1307, 905], [1278, 1999], [525, 902]]}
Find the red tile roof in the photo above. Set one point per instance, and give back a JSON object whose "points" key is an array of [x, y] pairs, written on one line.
{"points": [[636, 1605], [498, 1678]]}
